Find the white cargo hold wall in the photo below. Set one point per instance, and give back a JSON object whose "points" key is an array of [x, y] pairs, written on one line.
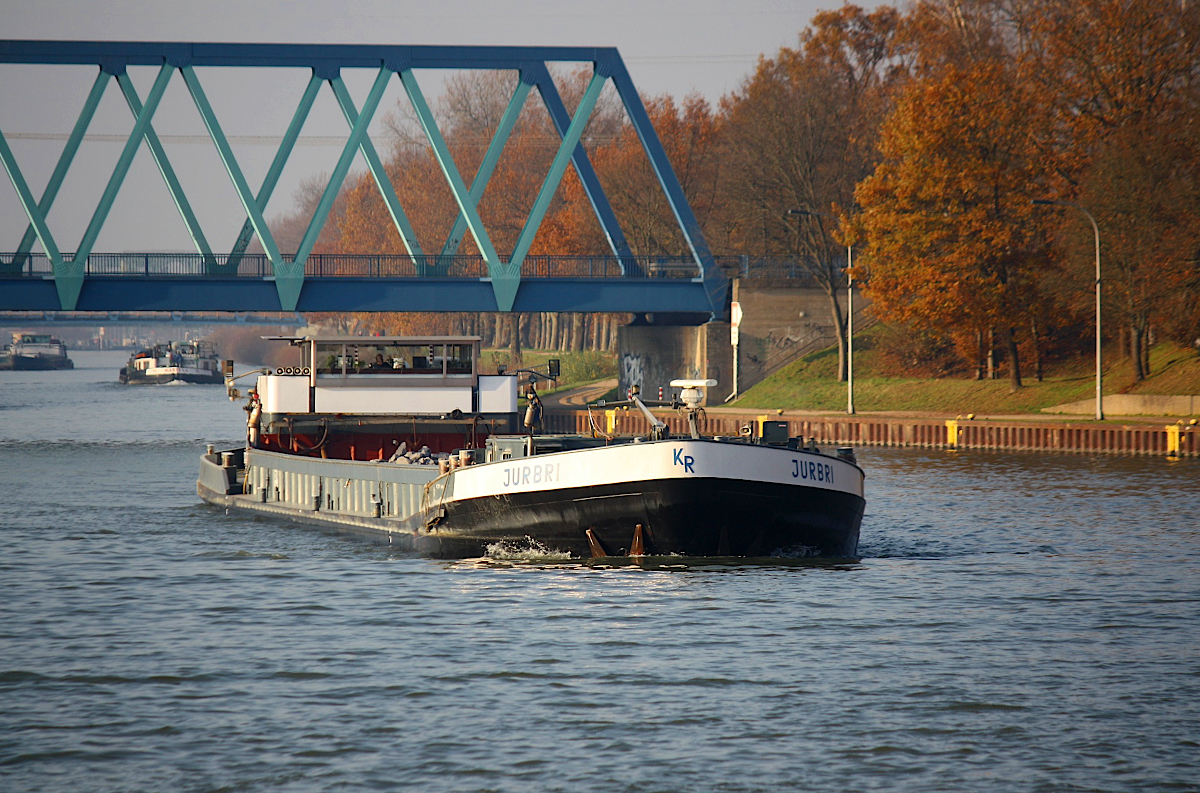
{"points": [[283, 393], [497, 393], [374, 400]]}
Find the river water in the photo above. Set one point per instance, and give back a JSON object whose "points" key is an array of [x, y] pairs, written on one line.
{"points": [[1016, 623]]}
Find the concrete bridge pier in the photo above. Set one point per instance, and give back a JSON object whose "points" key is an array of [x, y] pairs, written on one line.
{"points": [[782, 319], [652, 353]]}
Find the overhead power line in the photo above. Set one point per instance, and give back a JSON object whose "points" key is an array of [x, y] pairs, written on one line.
{"points": [[274, 140], [249, 140]]}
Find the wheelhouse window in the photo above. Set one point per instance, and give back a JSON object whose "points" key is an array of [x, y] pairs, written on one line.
{"points": [[386, 358], [460, 358]]}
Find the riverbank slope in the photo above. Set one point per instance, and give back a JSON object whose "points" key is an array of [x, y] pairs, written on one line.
{"points": [[810, 383]]}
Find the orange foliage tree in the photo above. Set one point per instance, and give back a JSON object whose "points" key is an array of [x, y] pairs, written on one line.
{"points": [[800, 135], [947, 215], [690, 135], [1123, 80], [926, 130], [468, 114]]}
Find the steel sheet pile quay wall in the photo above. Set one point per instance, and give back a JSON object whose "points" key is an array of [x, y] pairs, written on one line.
{"points": [[1177, 439]]}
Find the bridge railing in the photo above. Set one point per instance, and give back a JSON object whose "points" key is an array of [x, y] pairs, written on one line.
{"points": [[347, 265], [384, 265]]}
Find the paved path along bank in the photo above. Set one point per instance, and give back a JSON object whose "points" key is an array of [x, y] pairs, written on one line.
{"points": [[1139, 435], [580, 397]]}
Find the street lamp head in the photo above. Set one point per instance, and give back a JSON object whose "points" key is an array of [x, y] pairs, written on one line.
{"points": [[1043, 202], [810, 213]]}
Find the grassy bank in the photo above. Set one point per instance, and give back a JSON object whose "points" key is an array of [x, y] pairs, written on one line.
{"points": [[810, 383]]}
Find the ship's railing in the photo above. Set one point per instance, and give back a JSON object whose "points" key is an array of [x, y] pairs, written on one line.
{"points": [[353, 265]]}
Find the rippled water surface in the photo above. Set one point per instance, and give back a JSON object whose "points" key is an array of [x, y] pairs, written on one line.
{"points": [[1017, 622]]}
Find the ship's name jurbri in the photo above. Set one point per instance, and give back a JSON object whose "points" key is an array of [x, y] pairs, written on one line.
{"points": [[812, 471], [537, 474]]}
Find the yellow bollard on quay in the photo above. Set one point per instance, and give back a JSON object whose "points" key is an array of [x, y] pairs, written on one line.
{"points": [[952, 433], [1174, 431]]}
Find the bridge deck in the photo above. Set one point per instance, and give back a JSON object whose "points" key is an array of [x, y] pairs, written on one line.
{"points": [[384, 282]]}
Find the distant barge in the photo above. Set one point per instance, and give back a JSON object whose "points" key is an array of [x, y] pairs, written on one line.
{"points": [[403, 440], [36, 351], [185, 362]]}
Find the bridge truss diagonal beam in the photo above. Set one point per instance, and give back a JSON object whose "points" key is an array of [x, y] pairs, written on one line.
{"points": [[140, 125], [587, 174], [325, 64], [249, 201], [407, 234], [504, 281], [65, 294], [64, 164], [714, 281], [358, 134], [276, 170], [167, 171], [557, 168], [503, 130]]}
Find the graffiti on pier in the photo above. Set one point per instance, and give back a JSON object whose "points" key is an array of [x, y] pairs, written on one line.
{"points": [[782, 338], [633, 370]]}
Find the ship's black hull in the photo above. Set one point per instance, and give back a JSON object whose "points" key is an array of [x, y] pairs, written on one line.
{"points": [[691, 517], [141, 379], [31, 363], [477, 511]]}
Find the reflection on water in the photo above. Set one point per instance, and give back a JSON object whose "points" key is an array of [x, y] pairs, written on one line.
{"points": [[1016, 622]]}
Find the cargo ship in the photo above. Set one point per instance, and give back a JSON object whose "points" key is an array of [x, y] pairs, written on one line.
{"points": [[185, 362], [406, 441], [34, 351]]}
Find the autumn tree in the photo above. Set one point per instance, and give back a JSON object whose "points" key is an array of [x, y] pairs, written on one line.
{"points": [[468, 114], [690, 134], [1122, 81], [947, 215], [289, 228], [801, 135]]}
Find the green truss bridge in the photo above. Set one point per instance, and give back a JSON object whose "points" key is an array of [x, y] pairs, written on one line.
{"points": [[38, 275]]}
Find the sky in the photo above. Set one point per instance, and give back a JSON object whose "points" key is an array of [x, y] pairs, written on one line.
{"points": [[674, 47]]}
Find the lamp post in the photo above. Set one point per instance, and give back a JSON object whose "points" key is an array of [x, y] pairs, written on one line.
{"points": [[849, 311], [1096, 231]]}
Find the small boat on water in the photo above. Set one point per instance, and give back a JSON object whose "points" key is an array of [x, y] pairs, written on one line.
{"points": [[405, 440], [186, 362], [31, 351]]}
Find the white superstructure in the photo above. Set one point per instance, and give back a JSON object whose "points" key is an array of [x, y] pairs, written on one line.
{"points": [[383, 375]]}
